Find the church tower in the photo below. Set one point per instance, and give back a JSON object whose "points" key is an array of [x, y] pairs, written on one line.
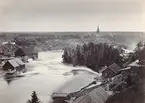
{"points": [[98, 29]]}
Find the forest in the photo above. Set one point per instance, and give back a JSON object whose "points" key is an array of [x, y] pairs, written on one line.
{"points": [[93, 55]]}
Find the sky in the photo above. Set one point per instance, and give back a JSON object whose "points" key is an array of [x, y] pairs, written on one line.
{"points": [[72, 15]]}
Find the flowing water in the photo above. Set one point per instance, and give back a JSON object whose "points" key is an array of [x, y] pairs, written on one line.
{"points": [[45, 75]]}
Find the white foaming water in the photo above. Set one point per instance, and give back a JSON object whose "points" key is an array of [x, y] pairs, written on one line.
{"points": [[45, 76]]}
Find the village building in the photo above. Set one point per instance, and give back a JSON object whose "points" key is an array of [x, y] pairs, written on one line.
{"points": [[20, 62], [97, 95], [110, 71], [15, 64], [59, 96], [87, 94], [31, 52]]}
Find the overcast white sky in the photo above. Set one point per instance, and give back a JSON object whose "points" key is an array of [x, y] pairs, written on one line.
{"points": [[72, 15]]}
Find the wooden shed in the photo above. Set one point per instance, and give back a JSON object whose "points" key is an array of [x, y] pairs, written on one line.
{"points": [[59, 97], [98, 95], [14, 64], [11, 65], [110, 71], [20, 62]]}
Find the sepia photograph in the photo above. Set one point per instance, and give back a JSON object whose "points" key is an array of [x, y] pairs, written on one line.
{"points": [[72, 51]]}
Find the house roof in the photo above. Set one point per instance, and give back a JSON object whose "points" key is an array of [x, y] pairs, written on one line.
{"points": [[59, 94], [98, 95], [13, 63], [16, 62], [82, 99], [19, 61], [114, 67]]}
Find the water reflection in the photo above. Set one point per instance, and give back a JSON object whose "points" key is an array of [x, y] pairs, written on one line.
{"points": [[9, 78]]}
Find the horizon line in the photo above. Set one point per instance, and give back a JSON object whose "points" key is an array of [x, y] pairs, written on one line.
{"points": [[68, 31]]}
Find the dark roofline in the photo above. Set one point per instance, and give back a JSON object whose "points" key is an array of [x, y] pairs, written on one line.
{"points": [[113, 69]]}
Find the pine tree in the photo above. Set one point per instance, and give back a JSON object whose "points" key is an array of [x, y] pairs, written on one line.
{"points": [[34, 98]]}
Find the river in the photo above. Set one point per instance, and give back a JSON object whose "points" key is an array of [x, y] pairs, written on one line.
{"points": [[45, 75]]}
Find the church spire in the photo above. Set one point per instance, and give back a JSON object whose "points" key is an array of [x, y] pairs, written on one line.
{"points": [[98, 29]]}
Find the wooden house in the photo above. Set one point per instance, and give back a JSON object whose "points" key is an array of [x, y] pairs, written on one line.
{"points": [[110, 71], [11, 65], [98, 95], [59, 97], [14, 64], [31, 52]]}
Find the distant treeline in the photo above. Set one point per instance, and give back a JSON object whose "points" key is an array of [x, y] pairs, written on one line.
{"points": [[93, 55], [48, 42]]}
